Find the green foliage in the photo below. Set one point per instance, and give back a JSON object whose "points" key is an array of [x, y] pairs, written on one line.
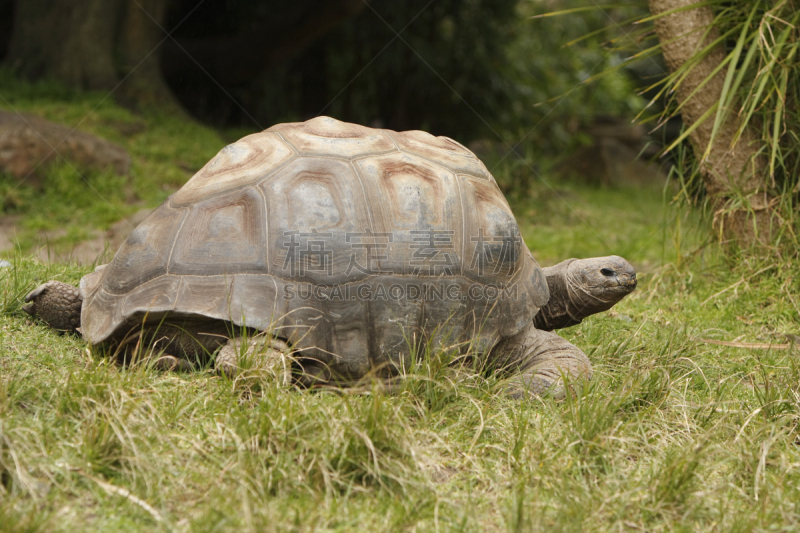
{"points": [[561, 219], [554, 83], [462, 69], [762, 80], [762, 76], [761, 84]]}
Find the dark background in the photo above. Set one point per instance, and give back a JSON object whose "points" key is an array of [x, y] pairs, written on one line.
{"points": [[469, 69]]}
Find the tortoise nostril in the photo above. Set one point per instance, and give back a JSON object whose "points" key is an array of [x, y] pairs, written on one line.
{"points": [[607, 272]]}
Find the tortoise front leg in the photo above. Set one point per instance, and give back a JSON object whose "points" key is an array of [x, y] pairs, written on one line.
{"points": [[57, 303], [538, 361], [261, 353]]}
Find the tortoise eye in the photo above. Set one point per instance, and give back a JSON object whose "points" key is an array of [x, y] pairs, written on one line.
{"points": [[607, 272]]}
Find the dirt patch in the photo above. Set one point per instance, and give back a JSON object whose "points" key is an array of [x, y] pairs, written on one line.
{"points": [[100, 247], [8, 231]]}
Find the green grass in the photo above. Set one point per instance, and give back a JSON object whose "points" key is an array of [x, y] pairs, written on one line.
{"points": [[673, 433]]}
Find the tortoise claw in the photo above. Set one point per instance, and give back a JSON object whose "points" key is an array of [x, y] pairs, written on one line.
{"points": [[36, 292], [31, 296]]}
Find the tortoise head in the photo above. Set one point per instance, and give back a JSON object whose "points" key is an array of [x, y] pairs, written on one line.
{"points": [[600, 281]]}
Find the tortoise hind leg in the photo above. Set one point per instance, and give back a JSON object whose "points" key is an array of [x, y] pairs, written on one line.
{"points": [[172, 363], [57, 303], [538, 361], [261, 352]]}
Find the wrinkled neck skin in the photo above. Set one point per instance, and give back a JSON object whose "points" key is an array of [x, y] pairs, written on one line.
{"points": [[560, 310], [578, 289]]}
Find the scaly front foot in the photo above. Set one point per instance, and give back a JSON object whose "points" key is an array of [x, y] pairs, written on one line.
{"points": [[57, 303]]}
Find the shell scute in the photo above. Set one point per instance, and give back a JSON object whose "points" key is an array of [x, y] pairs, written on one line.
{"points": [[256, 302], [155, 298], [205, 295], [222, 235], [442, 151], [237, 165], [495, 247], [325, 136], [317, 214], [417, 205], [143, 256]]}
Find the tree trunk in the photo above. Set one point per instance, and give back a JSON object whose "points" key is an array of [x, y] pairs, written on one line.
{"points": [[69, 40], [138, 46], [731, 172], [93, 44]]}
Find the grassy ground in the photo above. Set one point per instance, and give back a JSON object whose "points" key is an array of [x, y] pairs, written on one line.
{"points": [[673, 433]]}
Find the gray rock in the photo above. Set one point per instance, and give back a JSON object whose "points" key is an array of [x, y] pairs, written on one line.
{"points": [[27, 141]]}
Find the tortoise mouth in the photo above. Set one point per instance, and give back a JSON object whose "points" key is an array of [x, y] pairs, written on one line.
{"points": [[624, 283], [618, 283]]}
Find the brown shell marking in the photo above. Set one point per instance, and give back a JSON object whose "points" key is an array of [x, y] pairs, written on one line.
{"points": [[418, 203], [441, 151], [313, 200], [238, 165]]}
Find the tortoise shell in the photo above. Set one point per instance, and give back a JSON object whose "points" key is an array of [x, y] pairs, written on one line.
{"points": [[351, 243]]}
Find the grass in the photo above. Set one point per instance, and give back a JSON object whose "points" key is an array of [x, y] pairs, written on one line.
{"points": [[672, 434]]}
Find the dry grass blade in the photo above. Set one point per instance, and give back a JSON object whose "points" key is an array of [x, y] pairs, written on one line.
{"points": [[743, 280], [118, 491], [752, 345]]}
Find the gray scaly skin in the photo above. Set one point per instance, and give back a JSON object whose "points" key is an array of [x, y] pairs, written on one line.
{"points": [[536, 362], [582, 287], [57, 303], [535, 358]]}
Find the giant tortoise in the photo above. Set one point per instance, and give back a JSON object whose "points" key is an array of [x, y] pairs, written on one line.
{"points": [[351, 248]]}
